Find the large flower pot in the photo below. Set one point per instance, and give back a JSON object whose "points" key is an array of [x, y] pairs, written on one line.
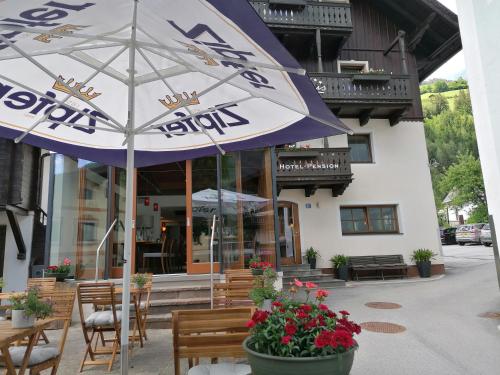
{"points": [[20, 320], [60, 276], [343, 273], [263, 364], [424, 269], [257, 271], [312, 263]]}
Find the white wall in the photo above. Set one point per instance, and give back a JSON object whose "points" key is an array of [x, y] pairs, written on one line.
{"points": [[480, 31], [15, 272], [399, 175]]}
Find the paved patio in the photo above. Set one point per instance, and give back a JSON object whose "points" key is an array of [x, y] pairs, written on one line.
{"points": [[444, 335]]}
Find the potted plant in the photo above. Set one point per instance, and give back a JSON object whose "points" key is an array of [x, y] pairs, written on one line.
{"points": [[26, 307], [297, 338], [340, 266], [59, 272], [263, 292], [139, 279], [258, 267], [422, 257], [311, 255]]}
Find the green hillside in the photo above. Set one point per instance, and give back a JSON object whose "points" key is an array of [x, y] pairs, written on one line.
{"points": [[449, 95]]}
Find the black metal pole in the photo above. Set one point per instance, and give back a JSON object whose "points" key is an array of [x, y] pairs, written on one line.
{"points": [[275, 207], [219, 212]]}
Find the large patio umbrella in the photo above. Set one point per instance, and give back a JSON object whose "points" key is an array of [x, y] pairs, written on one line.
{"points": [[140, 82]]}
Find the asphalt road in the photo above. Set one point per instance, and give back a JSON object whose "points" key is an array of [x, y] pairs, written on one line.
{"points": [[444, 334]]}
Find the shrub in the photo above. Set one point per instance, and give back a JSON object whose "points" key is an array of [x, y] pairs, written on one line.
{"points": [[422, 255], [339, 260]]}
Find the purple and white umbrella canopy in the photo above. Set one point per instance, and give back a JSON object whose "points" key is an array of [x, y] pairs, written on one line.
{"points": [[141, 82]]}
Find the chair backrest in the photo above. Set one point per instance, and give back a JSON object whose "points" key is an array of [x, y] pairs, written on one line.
{"points": [[232, 294], [100, 295], [62, 305], [210, 333], [43, 284]]}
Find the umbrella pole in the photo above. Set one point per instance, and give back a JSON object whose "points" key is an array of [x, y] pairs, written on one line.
{"points": [[212, 263], [129, 200]]}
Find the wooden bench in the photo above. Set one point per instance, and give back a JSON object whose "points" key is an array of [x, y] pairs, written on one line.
{"points": [[378, 264], [209, 334]]}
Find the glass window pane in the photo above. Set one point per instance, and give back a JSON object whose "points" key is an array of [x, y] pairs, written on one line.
{"points": [[360, 226], [205, 205], [79, 214], [345, 214], [347, 227], [358, 214], [374, 213], [360, 148]]}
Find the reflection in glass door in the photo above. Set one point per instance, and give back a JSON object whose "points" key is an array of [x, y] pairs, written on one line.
{"points": [[289, 233]]}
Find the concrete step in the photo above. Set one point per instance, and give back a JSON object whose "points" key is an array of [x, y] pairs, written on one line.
{"points": [[300, 273], [161, 306], [294, 267], [169, 292], [159, 321], [313, 277]]}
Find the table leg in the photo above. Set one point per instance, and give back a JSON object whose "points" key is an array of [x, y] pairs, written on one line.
{"points": [[11, 370], [31, 343]]}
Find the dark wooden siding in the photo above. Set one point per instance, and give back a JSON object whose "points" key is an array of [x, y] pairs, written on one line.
{"points": [[18, 174], [372, 35]]}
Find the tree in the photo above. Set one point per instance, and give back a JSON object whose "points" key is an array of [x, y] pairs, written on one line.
{"points": [[436, 105], [465, 180], [463, 103], [441, 86]]}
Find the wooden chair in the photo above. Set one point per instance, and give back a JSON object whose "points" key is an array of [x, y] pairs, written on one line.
{"points": [[240, 275], [209, 334], [232, 294], [44, 357], [100, 296], [43, 284]]}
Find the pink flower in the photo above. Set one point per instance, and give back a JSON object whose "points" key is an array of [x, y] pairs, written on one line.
{"points": [[323, 307], [321, 294], [310, 285], [67, 262], [298, 283], [345, 313], [250, 324]]}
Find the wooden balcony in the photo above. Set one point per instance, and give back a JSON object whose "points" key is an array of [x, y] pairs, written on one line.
{"points": [[312, 169], [306, 14], [365, 95]]}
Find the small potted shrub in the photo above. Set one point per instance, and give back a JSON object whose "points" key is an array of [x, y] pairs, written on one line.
{"points": [[340, 266], [297, 338], [26, 307], [263, 292], [258, 267], [60, 272], [311, 255], [139, 279], [422, 258]]}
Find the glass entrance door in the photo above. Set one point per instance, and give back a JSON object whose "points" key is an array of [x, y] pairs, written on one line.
{"points": [[161, 219], [289, 233]]}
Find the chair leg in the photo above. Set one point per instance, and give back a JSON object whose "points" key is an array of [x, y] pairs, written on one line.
{"points": [[44, 337]]}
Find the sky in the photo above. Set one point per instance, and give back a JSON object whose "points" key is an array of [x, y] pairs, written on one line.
{"points": [[455, 67]]}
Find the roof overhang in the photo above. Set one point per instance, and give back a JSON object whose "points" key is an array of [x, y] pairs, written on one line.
{"points": [[432, 31]]}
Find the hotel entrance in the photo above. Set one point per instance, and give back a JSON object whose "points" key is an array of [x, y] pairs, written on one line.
{"points": [[289, 233], [174, 209]]}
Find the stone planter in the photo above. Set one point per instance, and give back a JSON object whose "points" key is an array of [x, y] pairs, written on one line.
{"points": [[61, 276], [342, 272], [257, 271], [20, 320], [263, 364], [424, 269], [267, 305]]}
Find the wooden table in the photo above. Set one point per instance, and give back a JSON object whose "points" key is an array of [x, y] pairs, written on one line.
{"points": [[9, 335], [136, 301]]}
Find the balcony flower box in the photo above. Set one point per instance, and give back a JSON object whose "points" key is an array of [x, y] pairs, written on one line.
{"points": [[370, 77]]}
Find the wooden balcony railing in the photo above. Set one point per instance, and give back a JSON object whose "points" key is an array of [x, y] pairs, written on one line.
{"points": [[363, 87], [327, 15], [310, 169]]}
